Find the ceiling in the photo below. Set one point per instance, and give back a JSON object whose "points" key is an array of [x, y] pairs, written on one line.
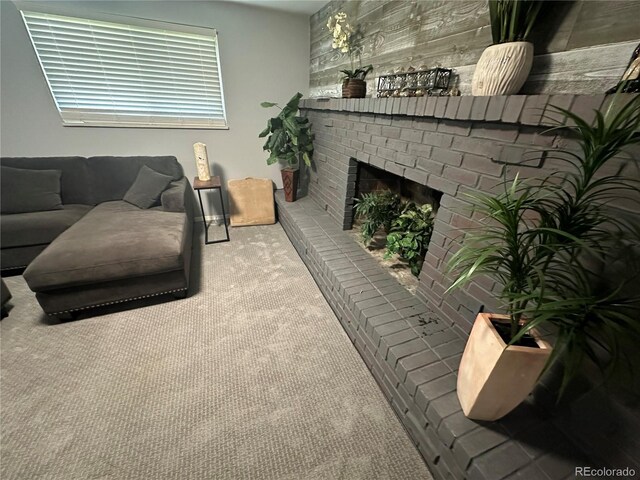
{"points": [[307, 7]]}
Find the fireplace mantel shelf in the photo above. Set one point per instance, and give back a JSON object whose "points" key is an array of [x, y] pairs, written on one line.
{"points": [[534, 110]]}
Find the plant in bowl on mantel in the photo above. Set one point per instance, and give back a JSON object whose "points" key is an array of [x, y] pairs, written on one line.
{"points": [[504, 66], [544, 242], [290, 139]]}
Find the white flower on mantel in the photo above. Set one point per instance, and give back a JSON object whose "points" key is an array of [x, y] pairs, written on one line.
{"points": [[340, 31]]}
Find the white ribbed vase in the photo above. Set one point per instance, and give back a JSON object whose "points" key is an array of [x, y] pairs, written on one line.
{"points": [[502, 69]]}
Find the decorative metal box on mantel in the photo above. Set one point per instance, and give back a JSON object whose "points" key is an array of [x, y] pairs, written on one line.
{"points": [[434, 81]]}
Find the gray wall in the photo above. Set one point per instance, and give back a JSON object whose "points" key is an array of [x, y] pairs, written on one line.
{"points": [[264, 55], [581, 46]]}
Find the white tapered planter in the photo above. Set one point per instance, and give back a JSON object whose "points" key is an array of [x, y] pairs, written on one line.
{"points": [[502, 69], [494, 377]]}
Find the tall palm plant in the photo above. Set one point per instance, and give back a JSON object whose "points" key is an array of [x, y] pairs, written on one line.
{"points": [[539, 236]]}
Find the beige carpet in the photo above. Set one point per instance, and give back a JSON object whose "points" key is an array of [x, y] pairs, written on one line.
{"points": [[251, 377]]}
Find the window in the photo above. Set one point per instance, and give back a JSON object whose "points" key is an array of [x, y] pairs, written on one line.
{"points": [[113, 74]]}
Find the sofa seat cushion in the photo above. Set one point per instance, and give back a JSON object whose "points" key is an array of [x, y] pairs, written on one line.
{"points": [[115, 240], [38, 228]]}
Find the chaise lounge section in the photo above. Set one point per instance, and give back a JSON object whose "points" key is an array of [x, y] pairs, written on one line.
{"points": [[101, 249]]}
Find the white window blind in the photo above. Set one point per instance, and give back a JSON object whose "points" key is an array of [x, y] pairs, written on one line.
{"points": [[113, 74]]}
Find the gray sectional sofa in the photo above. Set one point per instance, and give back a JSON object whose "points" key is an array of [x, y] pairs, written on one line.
{"points": [[102, 238]]}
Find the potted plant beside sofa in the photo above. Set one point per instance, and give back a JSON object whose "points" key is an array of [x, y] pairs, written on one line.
{"points": [[539, 243], [290, 139], [504, 66]]}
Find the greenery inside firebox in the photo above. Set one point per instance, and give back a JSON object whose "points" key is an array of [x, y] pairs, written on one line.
{"points": [[407, 226]]}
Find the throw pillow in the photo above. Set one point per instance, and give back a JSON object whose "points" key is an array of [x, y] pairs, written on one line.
{"points": [[147, 187], [23, 190]]}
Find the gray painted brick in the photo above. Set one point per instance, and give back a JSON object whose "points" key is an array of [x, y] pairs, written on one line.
{"points": [[464, 109], [376, 321], [441, 107], [382, 119], [404, 159], [434, 389], [448, 157], [479, 108], [499, 462], [477, 146], [373, 129], [397, 145], [529, 472], [392, 105], [480, 164], [527, 157], [377, 310], [394, 168], [533, 109], [362, 305], [443, 185], [424, 375], [378, 141], [421, 357], [398, 352], [438, 139], [391, 132], [420, 150], [387, 153], [495, 131], [446, 350], [513, 108], [421, 104], [461, 176], [443, 407], [416, 175], [454, 128], [410, 135], [479, 441], [430, 166], [454, 426], [404, 105], [452, 107], [425, 124], [411, 108], [377, 161], [552, 116], [431, 106], [453, 362], [495, 108], [585, 106]]}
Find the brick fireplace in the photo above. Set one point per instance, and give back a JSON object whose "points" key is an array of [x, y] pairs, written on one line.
{"points": [[413, 344], [454, 145]]}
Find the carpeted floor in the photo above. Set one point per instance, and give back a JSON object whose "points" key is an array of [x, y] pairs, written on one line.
{"points": [[251, 377]]}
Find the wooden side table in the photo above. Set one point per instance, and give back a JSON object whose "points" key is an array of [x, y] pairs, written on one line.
{"points": [[213, 184]]}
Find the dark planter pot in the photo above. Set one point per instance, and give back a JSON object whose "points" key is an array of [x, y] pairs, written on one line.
{"points": [[290, 183], [354, 88]]}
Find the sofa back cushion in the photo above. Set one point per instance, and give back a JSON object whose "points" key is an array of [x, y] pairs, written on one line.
{"points": [[111, 177], [74, 180], [25, 191]]}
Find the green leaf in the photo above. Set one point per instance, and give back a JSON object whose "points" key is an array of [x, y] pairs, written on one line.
{"points": [[306, 158], [272, 159], [292, 126], [268, 104], [265, 132], [292, 104]]}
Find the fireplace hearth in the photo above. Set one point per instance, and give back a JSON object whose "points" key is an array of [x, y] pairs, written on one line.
{"points": [[413, 343]]}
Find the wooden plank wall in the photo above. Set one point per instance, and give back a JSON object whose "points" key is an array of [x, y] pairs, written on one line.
{"points": [[581, 46]]}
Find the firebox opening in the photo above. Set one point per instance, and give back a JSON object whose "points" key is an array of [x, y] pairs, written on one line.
{"points": [[370, 179]]}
